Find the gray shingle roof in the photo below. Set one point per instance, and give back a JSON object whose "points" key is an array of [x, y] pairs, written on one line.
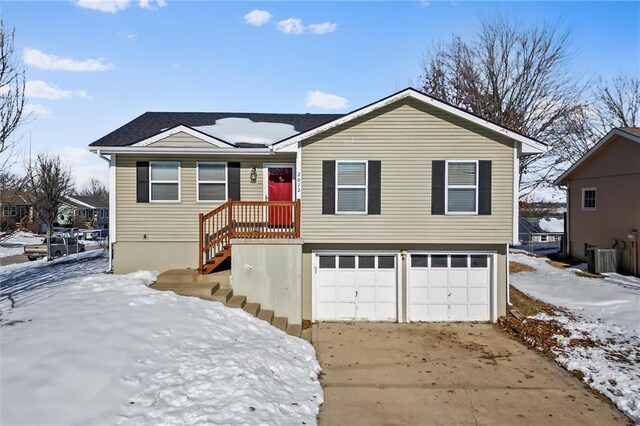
{"points": [[152, 123]]}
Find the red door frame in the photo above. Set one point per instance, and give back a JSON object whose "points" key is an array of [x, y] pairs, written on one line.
{"points": [[279, 216]]}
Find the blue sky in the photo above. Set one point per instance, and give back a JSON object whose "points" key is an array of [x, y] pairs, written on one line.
{"points": [[131, 56]]}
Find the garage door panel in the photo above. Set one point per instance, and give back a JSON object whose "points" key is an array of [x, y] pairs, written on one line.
{"points": [[386, 311], [458, 312], [387, 277], [437, 295], [478, 312], [438, 277], [458, 278], [366, 277], [438, 313], [419, 313], [326, 294], [478, 296], [327, 310], [326, 278], [346, 310], [419, 277], [478, 278], [346, 277], [419, 295], [458, 295], [366, 294], [347, 294]]}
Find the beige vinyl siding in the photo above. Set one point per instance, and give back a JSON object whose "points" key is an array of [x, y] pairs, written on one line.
{"points": [[406, 136], [182, 140], [175, 222]]}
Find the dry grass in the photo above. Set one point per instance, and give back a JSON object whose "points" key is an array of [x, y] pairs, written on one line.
{"points": [[515, 267], [586, 274], [559, 265], [528, 306]]}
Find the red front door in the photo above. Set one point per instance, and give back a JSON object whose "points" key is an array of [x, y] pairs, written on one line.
{"points": [[280, 188]]}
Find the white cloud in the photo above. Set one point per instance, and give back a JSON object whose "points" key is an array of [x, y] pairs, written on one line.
{"points": [[43, 90], [323, 100], [295, 26], [424, 3], [291, 26], [114, 6], [84, 165], [324, 28], [106, 6], [39, 59], [129, 35], [38, 110], [257, 17], [151, 4]]}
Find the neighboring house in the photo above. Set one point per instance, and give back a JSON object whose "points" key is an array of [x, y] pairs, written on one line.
{"points": [[603, 194], [402, 210], [93, 210], [15, 206], [540, 230]]}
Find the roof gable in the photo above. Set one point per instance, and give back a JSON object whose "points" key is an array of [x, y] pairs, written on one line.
{"points": [[529, 145], [630, 134]]}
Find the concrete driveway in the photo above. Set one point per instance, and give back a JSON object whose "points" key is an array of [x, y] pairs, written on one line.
{"points": [[428, 374]]}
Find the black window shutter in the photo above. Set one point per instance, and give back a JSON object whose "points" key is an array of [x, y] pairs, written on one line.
{"points": [[484, 191], [142, 181], [233, 180], [437, 186], [328, 187], [374, 187]]}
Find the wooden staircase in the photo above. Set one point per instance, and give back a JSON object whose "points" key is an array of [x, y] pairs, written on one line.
{"points": [[243, 219], [215, 287]]}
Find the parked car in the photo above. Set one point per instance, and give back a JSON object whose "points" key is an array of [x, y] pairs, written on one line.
{"points": [[59, 246], [98, 234]]}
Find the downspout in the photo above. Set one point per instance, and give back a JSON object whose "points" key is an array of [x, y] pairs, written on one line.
{"points": [[112, 204], [508, 284]]}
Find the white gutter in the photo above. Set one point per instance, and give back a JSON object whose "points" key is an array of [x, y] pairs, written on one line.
{"points": [[172, 150]]}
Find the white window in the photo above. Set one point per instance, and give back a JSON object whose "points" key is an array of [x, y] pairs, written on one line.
{"points": [[543, 238], [461, 196], [588, 198], [212, 182], [351, 187], [164, 181], [14, 211]]}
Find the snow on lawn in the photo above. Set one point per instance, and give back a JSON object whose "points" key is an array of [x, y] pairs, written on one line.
{"points": [[614, 300], [14, 245], [94, 348], [604, 313]]}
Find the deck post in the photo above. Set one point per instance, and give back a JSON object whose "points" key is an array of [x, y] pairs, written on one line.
{"points": [[298, 215], [230, 219]]}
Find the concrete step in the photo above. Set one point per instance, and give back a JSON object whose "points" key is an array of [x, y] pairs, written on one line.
{"points": [[280, 322], [294, 329], [184, 276], [237, 302], [222, 295], [198, 290], [266, 315], [222, 277], [306, 335], [252, 308]]}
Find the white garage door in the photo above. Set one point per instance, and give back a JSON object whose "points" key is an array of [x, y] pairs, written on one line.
{"points": [[449, 287], [353, 286]]}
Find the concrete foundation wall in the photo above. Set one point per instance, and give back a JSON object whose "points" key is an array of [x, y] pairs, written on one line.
{"points": [[307, 268], [269, 272], [154, 256]]}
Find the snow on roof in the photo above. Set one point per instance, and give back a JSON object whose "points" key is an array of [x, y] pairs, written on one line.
{"points": [[552, 224], [238, 130]]}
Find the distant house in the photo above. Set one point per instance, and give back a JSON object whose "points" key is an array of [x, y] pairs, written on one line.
{"points": [[14, 207], [603, 195], [540, 230], [92, 210]]}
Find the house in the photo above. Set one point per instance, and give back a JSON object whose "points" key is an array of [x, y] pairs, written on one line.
{"points": [[603, 197], [540, 230], [91, 210], [15, 207], [402, 210]]}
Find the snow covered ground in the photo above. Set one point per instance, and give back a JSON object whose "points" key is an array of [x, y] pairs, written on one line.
{"points": [[606, 311], [15, 244], [82, 347]]}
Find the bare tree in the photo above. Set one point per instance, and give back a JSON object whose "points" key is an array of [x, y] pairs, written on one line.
{"points": [[618, 102], [12, 99], [517, 77], [48, 180], [95, 188]]}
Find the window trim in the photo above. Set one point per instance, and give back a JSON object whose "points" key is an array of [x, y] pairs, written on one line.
{"points": [[226, 181], [595, 199], [366, 187], [179, 182], [446, 188]]}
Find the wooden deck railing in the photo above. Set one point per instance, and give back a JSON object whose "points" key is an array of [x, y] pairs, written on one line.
{"points": [[246, 219]]}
